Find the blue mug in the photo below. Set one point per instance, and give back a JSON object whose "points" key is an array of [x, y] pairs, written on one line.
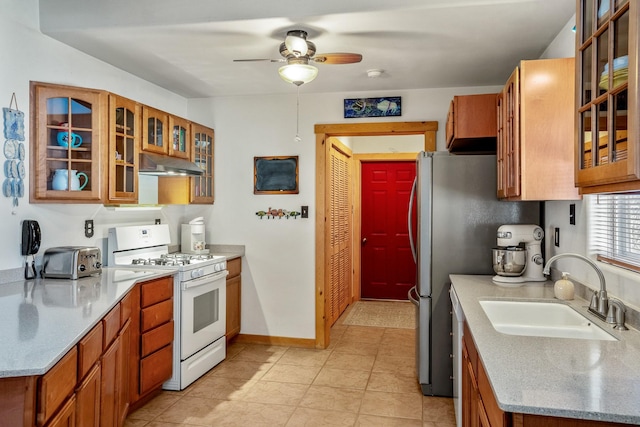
{"points": [[63, 139]]}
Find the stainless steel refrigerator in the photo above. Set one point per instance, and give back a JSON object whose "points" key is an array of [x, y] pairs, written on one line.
{"points": [[453, 218]]}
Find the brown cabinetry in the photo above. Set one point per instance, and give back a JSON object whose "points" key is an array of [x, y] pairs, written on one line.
{"points": [[125, 120], [234, 297], [194, 189], [68, 140], [471, 124], [152, 333], [180, 137], [535, 154], [607, 135], [155, 130]]}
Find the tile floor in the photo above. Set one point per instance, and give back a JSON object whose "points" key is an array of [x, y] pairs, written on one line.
{"points": [[365, 378]]}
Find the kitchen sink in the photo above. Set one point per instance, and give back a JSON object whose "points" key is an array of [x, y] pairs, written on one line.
{"points": [[541, 319]]}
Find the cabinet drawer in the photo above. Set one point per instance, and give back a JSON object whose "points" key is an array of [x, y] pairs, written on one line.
{"points": [[156, 338], [155, 369], [155, 291], [234, 266], [111, 325], [156, 315], [57, 385], [89, 350]]}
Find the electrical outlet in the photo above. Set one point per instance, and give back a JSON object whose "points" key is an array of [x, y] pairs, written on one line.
{"points": [[572, 214], [304, 212], [556, 237], [88, 228], [157, 221]]}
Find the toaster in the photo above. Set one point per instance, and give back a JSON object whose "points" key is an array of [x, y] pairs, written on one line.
{"points": [[71, 262]]}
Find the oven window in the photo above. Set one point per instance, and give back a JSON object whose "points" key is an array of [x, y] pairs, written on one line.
{"points": [[205, 310]]}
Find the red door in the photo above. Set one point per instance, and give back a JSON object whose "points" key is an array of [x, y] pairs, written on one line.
{"points": [[387, 266]]}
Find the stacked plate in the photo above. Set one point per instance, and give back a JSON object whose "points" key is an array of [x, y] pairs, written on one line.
{"points": [[620, 73]]}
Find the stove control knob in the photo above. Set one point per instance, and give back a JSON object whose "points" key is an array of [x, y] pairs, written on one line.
{"points": [[217, 267], [195, 273]]}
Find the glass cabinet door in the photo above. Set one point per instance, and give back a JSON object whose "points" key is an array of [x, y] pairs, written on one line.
{"points": [[155, 125], [124, 142], [180, 137], [202, 186], [603, 61], [67, 146]]}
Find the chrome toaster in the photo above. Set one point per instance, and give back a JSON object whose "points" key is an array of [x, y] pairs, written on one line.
{"points": [[71, 262]]}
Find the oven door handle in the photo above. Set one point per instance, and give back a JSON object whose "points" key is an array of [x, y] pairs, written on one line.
{"points": [[204, 280]]}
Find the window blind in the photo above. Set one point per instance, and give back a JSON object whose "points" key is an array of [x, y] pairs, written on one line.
{"points": [[614, 229]]}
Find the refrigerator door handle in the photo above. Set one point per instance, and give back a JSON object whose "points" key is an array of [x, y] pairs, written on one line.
{"points": [[413, 300], [409, 222]]}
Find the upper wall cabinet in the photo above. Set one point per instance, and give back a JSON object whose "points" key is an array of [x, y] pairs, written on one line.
{"points": [[607, 141], [180, 137], [471, 124], [68, 125], [535, 152], [155, 131], [125, 119]]}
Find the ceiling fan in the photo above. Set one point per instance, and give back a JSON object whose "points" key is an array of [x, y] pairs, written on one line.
{"points": [[298, 52]]}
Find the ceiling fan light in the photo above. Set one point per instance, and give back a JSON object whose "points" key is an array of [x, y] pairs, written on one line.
{"points": [[296, 45], [298, 73]]}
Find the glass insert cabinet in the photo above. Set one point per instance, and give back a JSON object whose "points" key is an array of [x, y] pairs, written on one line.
{"points": [[607, 139], [69, 124], [124, 143]]}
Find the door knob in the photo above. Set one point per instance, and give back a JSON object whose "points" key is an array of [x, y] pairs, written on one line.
{"points": [[364, 240]]}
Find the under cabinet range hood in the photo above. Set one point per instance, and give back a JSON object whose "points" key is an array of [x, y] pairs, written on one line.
{"points": [[154, 164]]}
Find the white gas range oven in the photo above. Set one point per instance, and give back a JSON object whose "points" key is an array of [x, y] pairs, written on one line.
{"points": [[199, 300]]}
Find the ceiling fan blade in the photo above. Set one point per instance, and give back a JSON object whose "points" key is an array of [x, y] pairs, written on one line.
{"points": [[337, 58], [259, 60]]}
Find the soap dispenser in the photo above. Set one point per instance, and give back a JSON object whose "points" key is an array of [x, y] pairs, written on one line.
{"points": [[563, 289]]}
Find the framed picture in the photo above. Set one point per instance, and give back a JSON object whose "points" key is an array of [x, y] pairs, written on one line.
{"points": [[373, 107], [275, 175]]}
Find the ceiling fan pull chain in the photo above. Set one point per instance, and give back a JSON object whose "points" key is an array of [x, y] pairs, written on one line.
{"points": [[297, 138]]}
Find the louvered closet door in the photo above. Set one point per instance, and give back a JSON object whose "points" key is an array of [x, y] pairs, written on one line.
{"points": [[340, 226]]}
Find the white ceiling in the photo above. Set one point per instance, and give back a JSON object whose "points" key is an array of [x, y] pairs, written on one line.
{"points": [[188, 46]]}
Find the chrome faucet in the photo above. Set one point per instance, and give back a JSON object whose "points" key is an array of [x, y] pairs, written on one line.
{"points": [[599, 301], [616, 314]]}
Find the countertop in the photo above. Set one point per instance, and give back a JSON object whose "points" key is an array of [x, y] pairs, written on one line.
{"points": [[42, 319], [571, 378]]}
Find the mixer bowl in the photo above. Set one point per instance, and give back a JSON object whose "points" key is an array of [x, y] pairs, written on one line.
{"points": [[510, 261]]}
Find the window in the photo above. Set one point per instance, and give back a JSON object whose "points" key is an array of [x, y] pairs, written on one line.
{"points": [[615, 229]]}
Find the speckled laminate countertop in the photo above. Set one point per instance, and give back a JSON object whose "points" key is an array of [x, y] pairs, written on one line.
{"points": [[571, 378], [42, 319]]}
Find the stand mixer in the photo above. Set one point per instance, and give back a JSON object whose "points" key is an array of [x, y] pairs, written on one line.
{"points": [[514, 264]]}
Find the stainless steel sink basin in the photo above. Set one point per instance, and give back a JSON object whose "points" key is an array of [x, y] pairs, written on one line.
{"points": [[541, 319]]}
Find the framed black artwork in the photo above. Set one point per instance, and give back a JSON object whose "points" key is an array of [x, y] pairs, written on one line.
{"points": [[275, 175]]}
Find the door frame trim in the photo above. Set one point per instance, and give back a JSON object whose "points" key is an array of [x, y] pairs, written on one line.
{"points": [[323, 132]]}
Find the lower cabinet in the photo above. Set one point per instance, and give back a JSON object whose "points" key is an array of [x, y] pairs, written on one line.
{"points": [[479, 405], [234, 294]]}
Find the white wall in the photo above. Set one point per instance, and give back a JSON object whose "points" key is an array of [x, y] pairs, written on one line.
{"points": [[621, 283]]}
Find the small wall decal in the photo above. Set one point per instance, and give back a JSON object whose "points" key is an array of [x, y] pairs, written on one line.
{"points": [[278, 213]]}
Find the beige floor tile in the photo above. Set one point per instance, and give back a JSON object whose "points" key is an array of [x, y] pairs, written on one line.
{"points": [[342, 378], [397, 349], [196, 411], [242, 369], [377, 421], [233, 349], [396, 334], [163, 424], [435, 424], [393, 383], [395, 364], [260, 353], [307, 417], [154, 407], [438, 409], [242, 414], [218, 387], [350, 361], [333, 399], [304, 357], [276, 393], [129, 422], [399, 405], [355, 347], [363, 334], [291, 373]]}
